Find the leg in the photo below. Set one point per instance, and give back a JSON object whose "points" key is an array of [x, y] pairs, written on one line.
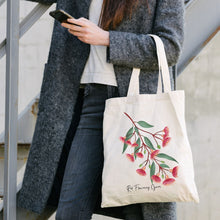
{"points": [[85, 161], [84, 165]]}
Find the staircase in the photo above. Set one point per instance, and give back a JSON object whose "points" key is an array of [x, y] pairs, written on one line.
{"points": [[202, 23]]}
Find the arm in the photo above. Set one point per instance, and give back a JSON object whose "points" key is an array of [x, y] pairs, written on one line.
{"points": [[44, 1], [138, 50]]}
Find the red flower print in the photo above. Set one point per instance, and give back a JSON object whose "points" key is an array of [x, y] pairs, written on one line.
{"points": [[168, 181], [122, 139], [134, 144], [144, 144], [166, 140], [166, 131], [154, 153], [175, 171], [140, 155], [141, 171], [156, 178], [130, 157], [128, 142]]}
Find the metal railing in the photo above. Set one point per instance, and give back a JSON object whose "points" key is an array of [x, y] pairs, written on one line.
{"points": [[10, 47], [11, 110]]}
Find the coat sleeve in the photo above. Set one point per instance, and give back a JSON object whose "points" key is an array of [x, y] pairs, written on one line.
{"points": [[44, 1], [138, 50]]}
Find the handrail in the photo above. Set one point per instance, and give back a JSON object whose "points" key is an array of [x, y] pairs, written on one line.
{"points": [[26, 23]]}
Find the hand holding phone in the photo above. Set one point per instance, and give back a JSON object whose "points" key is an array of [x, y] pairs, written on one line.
{"points": [[85, 30], [60, 15]]}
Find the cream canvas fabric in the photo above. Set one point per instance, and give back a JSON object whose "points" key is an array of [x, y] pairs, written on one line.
{"points": [[147, 155]]}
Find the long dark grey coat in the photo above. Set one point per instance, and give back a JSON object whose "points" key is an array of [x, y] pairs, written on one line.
{"points": [[130, 46]]}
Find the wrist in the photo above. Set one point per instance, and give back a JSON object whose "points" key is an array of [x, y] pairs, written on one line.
{"points": [[106, 38]]}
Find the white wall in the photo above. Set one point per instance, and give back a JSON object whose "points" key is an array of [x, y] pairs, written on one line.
{"points": [[200, 80]]}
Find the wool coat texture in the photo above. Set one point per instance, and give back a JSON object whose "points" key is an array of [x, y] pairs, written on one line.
{"points": [[130, 46]]}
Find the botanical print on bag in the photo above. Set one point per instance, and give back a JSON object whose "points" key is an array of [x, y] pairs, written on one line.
{"points": [[138, 138]]}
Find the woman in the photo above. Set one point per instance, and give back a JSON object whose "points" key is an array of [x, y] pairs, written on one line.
{"points": [[91, 60]]}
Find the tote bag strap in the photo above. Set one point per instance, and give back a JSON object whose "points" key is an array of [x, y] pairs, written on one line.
{"points": [[164, 76]]}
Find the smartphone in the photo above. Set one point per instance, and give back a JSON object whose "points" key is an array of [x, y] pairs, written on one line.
{"points": [[60, 15]]}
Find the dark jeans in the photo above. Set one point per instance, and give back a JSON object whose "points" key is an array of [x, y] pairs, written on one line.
{"points": [[82, 178]]}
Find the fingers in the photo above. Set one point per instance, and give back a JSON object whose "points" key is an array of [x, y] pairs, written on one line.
{"points": [[71, 26], [76, 33], [77, 24], [80, 21], [82, 28]]}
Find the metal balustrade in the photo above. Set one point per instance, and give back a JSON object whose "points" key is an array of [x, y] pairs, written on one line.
{"points": [[199, 31]]}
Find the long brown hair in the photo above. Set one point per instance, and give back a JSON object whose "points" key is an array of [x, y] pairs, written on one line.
{"points": [[113, 11]]}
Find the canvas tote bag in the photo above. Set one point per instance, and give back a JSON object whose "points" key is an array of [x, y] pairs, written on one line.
{"points": [[147, 155]]}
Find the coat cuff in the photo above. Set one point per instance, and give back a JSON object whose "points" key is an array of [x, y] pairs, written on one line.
{"points": [[129, 49], [112, 53]]}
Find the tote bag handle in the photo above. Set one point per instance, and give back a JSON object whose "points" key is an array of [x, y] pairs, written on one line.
{"points": [[164, 76]]}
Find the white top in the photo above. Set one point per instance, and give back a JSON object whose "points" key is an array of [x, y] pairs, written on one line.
{"points": [[97, 70]]}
